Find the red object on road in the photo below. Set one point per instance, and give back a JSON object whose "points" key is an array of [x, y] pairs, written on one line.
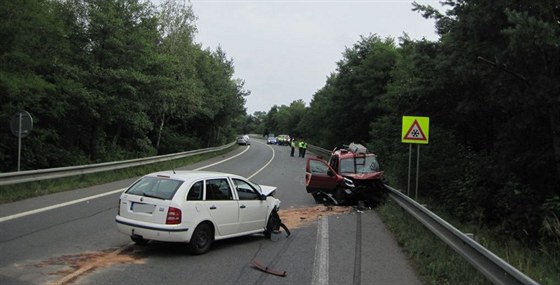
{"points": [[256, 264]]}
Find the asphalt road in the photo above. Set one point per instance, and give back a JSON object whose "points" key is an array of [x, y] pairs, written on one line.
{"points": [[75, 241]]}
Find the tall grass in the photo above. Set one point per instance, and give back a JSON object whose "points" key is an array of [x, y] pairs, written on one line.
{"points": [[436, 263], [433, 260], [16, 192]]}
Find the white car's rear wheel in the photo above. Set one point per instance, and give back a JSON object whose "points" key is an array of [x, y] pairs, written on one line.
{"points": [[201, 239]]}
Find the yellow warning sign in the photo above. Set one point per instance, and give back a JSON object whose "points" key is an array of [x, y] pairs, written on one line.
{"points": [[415, 130]]}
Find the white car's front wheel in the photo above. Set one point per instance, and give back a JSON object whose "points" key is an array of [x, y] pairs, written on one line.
{"points": [[273, 224]]}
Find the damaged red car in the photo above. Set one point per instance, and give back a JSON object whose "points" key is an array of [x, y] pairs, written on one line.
{"points": [[351, 176]]}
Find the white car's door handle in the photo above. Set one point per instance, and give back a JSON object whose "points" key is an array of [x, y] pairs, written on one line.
{"points": [[212, 207], [242, 206]]}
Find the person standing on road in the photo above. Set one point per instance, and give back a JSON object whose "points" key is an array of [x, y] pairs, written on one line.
{"points": [[300, 147], [304, 148], [293, 146]]}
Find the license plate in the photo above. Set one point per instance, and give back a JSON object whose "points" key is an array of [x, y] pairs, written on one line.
{"points": [[142, 208]]}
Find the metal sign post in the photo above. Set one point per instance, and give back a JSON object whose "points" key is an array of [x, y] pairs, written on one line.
{"points": [[415, 130], [409, 170], [21, 125], [417, 170], [19, 142]]}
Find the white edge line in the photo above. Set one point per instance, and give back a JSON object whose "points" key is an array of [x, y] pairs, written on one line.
{"points": [[19, 215], [320, 274], [222, 161]]}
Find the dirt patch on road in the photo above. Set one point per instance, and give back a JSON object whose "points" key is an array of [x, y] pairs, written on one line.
{"points": [[297, 217], [73, 267]]}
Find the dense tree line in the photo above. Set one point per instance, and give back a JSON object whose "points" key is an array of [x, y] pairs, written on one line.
{"points": [[110, 79], [491, 88]]}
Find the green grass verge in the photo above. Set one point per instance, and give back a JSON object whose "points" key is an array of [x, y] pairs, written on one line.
{"points": [[16, 192], [436, 263]]}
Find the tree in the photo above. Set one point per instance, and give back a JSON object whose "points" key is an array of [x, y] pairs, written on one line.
{"points": [[178, 87], [288, 118], [111, 79], [224, 96], [35, 61], [534, 35]]}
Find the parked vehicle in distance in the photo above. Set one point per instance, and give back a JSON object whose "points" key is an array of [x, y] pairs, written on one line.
{"points": [[351, 175], [196, 208], [271, 140], [243, 140], [283, 139]]}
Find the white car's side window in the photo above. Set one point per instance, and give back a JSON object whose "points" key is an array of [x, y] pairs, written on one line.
{"points": [[195, 193], [245, 191], [218, 189]]}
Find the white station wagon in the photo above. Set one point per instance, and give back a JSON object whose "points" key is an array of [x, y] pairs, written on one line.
{"points": [[196, 207]]}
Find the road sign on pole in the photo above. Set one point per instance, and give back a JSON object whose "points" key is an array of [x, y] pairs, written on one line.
{"points": [[415, 130]]}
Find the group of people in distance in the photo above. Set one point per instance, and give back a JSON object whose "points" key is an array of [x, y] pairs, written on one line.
{"points": [[300, 144]]}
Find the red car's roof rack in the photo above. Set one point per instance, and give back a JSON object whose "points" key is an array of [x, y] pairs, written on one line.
{"points": [[352, 147]]}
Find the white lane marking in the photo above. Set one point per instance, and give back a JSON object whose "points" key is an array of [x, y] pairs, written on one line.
{"points": [[273, 154], [19, 215], [222, 161], [23, 214], [321, 262]]}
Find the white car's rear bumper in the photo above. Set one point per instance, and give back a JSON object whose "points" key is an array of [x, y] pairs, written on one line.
{"points": [[167, 233]]}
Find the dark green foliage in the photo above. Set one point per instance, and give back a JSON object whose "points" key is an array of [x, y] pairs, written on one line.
{"points": [[108, 80], [491, 157], [502, 114]]}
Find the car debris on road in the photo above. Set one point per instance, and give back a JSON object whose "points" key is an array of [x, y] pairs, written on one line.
{"points": [[256, 264]]}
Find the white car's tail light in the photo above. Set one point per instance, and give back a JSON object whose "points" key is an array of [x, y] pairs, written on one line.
{"points": [[173, 216]]}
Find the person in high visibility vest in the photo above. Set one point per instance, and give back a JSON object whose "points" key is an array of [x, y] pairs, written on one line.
{"points": [[303, 148], [300, 148], [293, 146]]}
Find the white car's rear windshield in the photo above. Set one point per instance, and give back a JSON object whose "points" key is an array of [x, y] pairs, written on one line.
{"points": [[155, 187]]}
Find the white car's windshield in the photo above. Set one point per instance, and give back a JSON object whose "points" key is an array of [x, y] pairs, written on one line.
{"points": [[256, 186]]}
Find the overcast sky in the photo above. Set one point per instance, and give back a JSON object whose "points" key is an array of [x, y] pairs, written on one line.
{"points": [[284, 50]]}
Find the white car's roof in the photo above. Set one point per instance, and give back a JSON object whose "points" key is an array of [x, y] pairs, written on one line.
{"points": [[192, 174]]}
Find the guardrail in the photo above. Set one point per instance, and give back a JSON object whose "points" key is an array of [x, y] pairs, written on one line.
{"points": [[490, 265], [319, 150], [493, 267], [50, 173]]}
